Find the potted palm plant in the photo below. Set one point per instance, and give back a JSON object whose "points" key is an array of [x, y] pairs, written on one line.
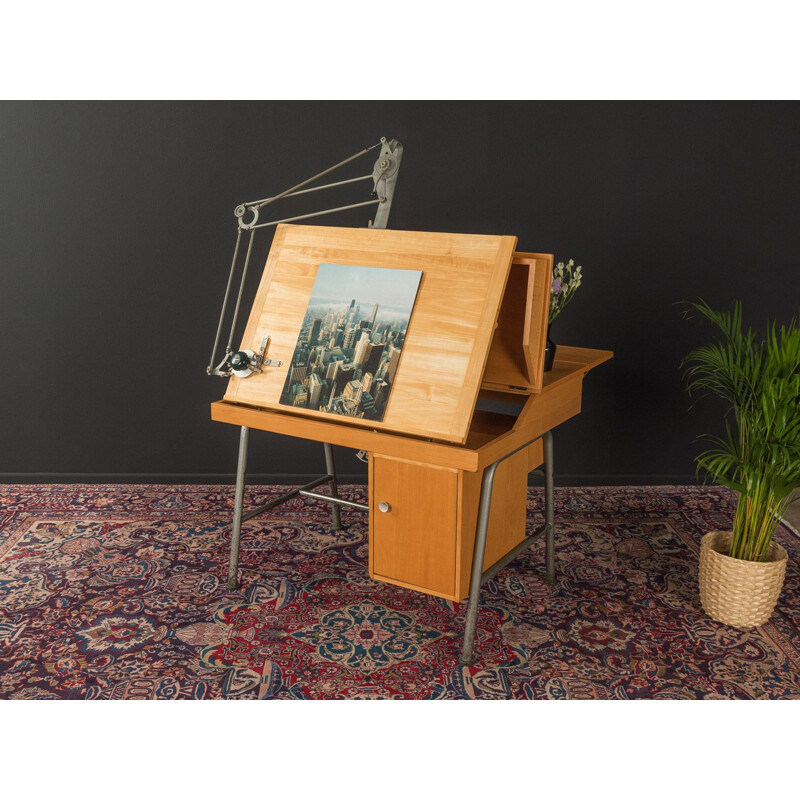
{"points": [[758, 377]]}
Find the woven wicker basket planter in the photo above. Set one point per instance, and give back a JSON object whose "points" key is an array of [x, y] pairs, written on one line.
{"points": [[739, 593]]}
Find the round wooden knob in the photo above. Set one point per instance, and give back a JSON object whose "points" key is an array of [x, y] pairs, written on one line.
{"points": [[383, 506]]}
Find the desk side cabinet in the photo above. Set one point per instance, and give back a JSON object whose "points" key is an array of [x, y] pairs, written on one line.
{"points": [[422, 520]]}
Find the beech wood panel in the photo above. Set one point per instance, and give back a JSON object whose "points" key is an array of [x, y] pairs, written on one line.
{"points": [[507, 363], [322, 430], [516, 355], [507, 514], [426, 539], [447, 343], [571, 360], [490, 435], [541, 413], [538, 313], [434, 487], [414, 542]]}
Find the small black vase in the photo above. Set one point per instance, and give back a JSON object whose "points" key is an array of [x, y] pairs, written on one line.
{"points": [[549, 352]]}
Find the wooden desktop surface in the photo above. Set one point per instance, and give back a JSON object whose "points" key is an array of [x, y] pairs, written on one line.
{"points": [[490, 434]]}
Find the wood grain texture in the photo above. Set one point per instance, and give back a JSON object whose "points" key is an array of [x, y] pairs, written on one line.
{"points": [[340, 433], [425, 543], [447, 344], [507, 515], [541, 413], [507, 363], [571, 360], [516, 355], [490, 435], [414, 542], [538, 310]]}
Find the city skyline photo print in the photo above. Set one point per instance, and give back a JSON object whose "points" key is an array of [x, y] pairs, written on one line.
{"points": [[347, 354]]}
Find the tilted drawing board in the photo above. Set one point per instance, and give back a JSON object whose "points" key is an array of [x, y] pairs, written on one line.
{"points": [[447, 341]]}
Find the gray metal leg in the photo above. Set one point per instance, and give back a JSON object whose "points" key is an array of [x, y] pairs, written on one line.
{"points": [[549, 510], [475, 581], [238, 508], [478, 577], [331, 468]]}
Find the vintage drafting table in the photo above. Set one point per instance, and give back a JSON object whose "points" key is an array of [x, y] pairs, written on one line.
{"points": [[470, 414]]}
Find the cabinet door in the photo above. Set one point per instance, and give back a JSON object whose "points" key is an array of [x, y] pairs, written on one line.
{"points": [[413, 541]]}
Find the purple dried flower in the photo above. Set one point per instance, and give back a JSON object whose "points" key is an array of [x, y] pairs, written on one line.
{"points": [[557, 288]]}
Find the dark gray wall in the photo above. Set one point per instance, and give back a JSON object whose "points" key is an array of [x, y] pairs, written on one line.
{"points": [[116, 232]]}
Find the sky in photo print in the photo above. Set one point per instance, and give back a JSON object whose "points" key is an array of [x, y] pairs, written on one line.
{"points": [[390, 288]]}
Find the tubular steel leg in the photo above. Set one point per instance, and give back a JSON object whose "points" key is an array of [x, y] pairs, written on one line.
{"points": [[549, 510], [331, 468], [478, 576], [238, 508], [478, 553]]}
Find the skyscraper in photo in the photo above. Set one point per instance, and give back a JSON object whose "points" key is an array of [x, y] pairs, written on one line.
{"points": [[394, 360], [333, 366], [350, 339], [313, 334], [372, 359], [352, 391], [380, 392], [343, 376], [360, 353], [314, 391], [299, 396], [367, 405]]}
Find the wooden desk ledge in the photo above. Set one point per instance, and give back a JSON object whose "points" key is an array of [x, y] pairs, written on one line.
{"points": [[572, 360], [324, 430], [491, 435]]}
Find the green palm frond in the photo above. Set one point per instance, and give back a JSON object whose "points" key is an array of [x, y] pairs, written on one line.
{"points": [[759, 457]]}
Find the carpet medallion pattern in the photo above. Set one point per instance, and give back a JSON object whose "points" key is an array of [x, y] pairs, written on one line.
{"points": [[118, 592]]}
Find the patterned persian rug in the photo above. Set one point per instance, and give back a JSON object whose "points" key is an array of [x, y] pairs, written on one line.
{"points": [[119, 592]]}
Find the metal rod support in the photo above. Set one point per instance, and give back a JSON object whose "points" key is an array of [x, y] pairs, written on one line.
{"points": [[238, 505], [549, 510], [336, 500], [313, 214], [330, 466], [510, 556], [283, 498], [477, 564], [477, 576], [266, 200], [385, 176], [225, 301], [318, 175], [241, 290]]}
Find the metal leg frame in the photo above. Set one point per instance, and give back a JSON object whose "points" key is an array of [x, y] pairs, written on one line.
{"points": [[331, 468], [238, 507], [478, 576], [239, 515]]}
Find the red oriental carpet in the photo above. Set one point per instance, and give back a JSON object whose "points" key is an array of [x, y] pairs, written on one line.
{"points": [[119, 592]]}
